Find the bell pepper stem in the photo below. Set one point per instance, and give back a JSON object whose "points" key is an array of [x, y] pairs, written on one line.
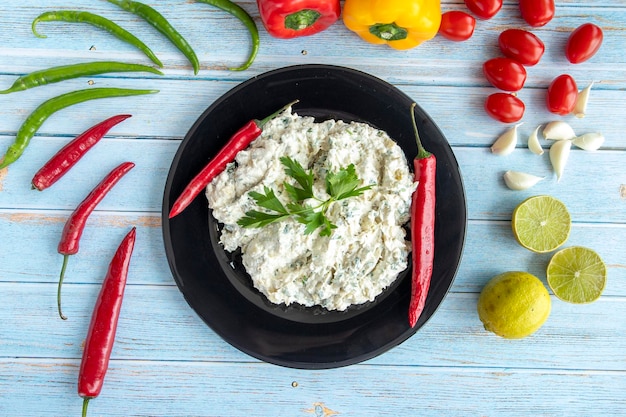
{"points": [[388, 31], [302, 19]]}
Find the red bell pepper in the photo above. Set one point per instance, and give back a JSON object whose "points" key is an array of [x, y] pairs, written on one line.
{"points": [[291, 18]]}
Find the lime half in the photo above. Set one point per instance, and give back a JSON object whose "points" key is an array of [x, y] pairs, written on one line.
{"points": [[541, 223], [577, 275]]}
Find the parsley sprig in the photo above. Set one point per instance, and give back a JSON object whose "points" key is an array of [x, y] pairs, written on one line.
{"points": [[303, 205]]}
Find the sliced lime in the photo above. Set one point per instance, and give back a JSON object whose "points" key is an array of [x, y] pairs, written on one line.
{"points": [[541, 223], [577, 275]]}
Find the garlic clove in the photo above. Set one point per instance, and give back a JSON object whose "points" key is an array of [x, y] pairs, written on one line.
{"points": [[559, 152], [589, 141], [506, 142], [533, 142], [558, 131], [580, 108], [516, 180]]}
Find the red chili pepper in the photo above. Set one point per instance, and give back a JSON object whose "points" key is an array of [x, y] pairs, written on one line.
{"points": [[422, 226], [75, 224], [291, 18], [71, 153], [101, 335], [239, 141]]}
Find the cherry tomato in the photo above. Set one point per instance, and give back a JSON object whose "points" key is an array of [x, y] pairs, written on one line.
{"points": [[562, 95], [505, 107], [505, 73], [522, 46], [457, 26], [485, 9], [537, 12], [583, 43]]}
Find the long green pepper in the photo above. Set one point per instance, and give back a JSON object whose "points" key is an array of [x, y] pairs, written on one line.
{"points": [[67, 72], [160, 23], [34, 121], [235, 10], [75, 16]]}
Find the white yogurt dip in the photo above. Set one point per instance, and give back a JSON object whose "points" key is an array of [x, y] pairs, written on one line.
{"points": [[367, 250]]}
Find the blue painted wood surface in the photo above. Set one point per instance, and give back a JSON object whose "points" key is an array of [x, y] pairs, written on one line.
{"points": [[166, 362]]}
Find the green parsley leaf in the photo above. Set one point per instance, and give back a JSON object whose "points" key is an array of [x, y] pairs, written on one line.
{"points": [[314, 219], [296, 171], [297, 209], [297, 194], [268, 200], [342, 184], [255, 218]]}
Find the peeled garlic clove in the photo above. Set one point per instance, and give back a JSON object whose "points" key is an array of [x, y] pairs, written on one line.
{"points": [[589, 141], [559, 152], [580, 107], [516, 180], [505, 144], [533, 142], [558, 131]]}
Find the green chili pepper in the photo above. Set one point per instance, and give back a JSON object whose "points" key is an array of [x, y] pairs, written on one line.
{"points": [[66, 72], [160, 23], [34, 121], [75, 16], [244, 17]]}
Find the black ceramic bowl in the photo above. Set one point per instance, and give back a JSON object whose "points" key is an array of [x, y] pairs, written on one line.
{"points": [[214, 282]]}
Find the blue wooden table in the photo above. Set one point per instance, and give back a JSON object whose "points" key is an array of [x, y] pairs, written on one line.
{"points": [[167, 362]]}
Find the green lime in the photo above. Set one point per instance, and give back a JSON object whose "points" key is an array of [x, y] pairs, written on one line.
{"points": [[577, 275], [541, 223], [514, 305]]}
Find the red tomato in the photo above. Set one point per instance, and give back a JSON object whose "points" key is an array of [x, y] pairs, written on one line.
{"points": [[562, 95], [485, 9], [505, 74], [504, 107], [537, 12], [522, 46], [457, 26], [583, 43]]}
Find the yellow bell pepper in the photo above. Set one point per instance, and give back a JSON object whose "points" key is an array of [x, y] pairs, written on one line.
{"points": [[401, 24]]}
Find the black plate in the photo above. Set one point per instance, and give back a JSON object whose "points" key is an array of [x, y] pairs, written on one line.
{"points": [[214, 283]]}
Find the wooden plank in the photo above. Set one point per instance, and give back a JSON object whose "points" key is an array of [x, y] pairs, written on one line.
{"points": [[40, 232], [482, 258], [591, 186], [140, 190], [204, 27], [137, 388], [487, 196], [174, 333], [170, 113]]}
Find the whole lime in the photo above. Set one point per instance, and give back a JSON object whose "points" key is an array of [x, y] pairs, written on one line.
{"points": [[514, 304]]}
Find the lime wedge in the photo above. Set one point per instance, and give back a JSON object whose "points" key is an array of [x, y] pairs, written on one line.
{"points": [[577, 275], [541, 223]]}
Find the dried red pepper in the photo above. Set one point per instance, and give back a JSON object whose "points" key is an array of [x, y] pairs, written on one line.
{"points": [[101, 335], [239, 141], [75, 224], [292, 18], [422, 226], [71, 153]]}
